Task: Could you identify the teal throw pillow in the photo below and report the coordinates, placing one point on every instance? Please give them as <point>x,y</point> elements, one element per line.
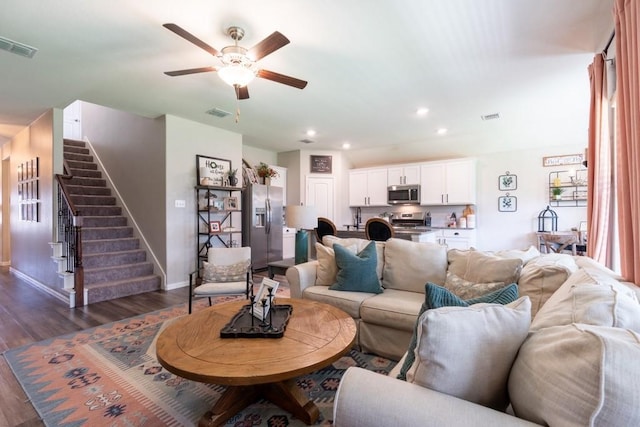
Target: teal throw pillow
<point>357,272</point>
<point>437,296</point>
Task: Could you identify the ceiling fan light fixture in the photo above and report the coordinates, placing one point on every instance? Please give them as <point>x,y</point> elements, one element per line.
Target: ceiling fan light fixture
<point>236,75</point>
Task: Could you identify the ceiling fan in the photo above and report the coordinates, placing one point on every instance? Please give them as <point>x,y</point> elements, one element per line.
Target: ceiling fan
<point>239,65</point>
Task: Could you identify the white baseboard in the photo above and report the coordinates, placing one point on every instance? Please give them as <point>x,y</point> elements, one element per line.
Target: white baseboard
<point>36,284</point>
<point>177,285</point>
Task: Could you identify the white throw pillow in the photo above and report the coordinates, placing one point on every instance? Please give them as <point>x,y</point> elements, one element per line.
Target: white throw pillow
<point>225,273</point>
<point>327,269</point>
<point>483,267</point>
<point>467,352</point>
<point>408,266</point>
<point>525,256</point>
<point>578,375</point>
<point>592,297</point>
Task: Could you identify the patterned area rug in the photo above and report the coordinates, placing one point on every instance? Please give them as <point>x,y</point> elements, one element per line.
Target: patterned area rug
<point>109,375</point>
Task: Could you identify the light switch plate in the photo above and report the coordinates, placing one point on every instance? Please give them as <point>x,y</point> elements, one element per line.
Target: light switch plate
<point>181,203</point>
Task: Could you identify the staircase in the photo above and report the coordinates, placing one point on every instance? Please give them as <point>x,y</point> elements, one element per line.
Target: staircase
<point>114,264</point>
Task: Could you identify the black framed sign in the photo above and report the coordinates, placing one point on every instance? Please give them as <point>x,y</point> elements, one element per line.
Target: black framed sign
<point>321,164</point>
<point>211,170</point>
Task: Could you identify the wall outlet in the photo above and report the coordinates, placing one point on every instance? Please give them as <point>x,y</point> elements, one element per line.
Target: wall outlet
<point>181,204</point>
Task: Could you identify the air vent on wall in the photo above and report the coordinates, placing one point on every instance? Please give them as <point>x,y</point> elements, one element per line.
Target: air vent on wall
<point>218,112</point>
<point>491,116</point>
<point>17,48</point>
<point>306,141</point>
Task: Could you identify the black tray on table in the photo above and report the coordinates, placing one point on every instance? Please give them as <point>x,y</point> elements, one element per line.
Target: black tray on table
<point>240,324</point>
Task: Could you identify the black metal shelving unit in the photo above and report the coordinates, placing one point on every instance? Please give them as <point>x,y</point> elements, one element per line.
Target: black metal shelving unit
<point>210,207</point>
<point>573,185</point>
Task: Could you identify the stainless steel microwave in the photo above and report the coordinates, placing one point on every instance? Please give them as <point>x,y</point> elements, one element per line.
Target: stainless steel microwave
<point>403,194</point>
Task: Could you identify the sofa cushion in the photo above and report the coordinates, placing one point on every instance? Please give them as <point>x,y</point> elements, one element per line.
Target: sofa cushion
<point>591,297</point>
<point>525,255</point>
<point>542,276</point>
<point>480,267</point>
<point>466,289</point>
<point>327,268</point>
<point>578,375</point>
<point>467,352</point>
<point>347,301</point>
<point>356,272</point>
<point>436,297</point>
<point>409,265</point>
<point>393,308</point>
<point>360,245</point>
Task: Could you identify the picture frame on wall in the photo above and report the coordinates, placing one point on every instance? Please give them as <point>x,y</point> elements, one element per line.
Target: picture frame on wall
<point>211,171</point>
<point>507,203</point>
<point>321,164</point>
<point>507,182</point>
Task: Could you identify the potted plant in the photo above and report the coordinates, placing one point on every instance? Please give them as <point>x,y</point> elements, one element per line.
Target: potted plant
<point>265,172</point>
<point>233,179</point>
<point>557,193</point>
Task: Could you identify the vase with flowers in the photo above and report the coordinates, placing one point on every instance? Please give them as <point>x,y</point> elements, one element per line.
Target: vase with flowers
<point>265,173</point>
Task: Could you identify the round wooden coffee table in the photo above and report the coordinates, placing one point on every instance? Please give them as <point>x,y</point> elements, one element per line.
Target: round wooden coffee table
<point>317,335</point>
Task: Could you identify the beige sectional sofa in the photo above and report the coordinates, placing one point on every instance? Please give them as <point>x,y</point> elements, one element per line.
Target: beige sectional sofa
<point>574,364</point>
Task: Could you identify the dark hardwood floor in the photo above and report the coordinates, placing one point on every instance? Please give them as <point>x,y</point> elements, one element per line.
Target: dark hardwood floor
<point>28,315</point>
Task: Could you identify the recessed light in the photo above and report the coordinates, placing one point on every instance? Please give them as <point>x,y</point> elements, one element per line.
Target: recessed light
<point>422,111</point>
<point>441,131</point>
<point>311,132</point>
<point>346,146</point>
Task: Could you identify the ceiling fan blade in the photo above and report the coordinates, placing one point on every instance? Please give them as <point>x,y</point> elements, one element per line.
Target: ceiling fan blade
<point>242,92</point>
<point>190,37</point>
<point>269,45</point>
<point>281,78</point>
<point>190,71</point>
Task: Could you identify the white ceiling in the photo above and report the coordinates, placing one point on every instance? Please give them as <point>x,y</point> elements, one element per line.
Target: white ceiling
<point>369,65</point>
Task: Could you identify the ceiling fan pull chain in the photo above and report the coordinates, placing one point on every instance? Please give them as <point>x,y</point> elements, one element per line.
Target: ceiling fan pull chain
<point>237,89</point>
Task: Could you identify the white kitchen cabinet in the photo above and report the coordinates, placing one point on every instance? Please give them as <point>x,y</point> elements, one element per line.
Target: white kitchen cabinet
<point>403,175</point>
<point>448,183</point>
<point>456,238</point>
<point>288,242</point>
<point>368,187</point>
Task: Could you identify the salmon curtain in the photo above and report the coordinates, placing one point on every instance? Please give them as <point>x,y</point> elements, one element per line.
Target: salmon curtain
<point>627,15</point>
<point>600,167</point>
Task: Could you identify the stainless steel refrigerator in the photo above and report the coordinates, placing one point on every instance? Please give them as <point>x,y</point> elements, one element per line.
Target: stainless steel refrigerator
<point>262,223</point>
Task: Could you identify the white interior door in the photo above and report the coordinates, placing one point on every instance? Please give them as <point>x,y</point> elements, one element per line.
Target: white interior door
<point>320,194</point>
<point>72,127</point>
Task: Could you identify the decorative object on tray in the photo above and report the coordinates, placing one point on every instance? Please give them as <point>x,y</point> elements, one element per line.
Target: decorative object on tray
<point>507,182</point>
<point>261,318</point>
<point>212,171</point>
<point>265,172</point>
<point>507,203</point>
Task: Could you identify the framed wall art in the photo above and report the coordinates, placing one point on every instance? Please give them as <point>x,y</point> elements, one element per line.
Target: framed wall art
<point>321,164</point>
<point>507,203</point>
<point>211,170</point>
<point>507,182</point>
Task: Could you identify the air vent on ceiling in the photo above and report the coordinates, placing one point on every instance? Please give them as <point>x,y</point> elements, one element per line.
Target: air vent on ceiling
<point>491,116</point>
<point>17,48</point>
<point>218,112</point>
<point>306,141</point>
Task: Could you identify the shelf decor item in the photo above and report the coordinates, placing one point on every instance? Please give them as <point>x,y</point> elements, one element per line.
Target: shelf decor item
<point>557,192</point>
<point>233,178</point>
<point>212,171</point>
<point>230,203</point>
<point>214,227</point>
<point>507,182</point>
